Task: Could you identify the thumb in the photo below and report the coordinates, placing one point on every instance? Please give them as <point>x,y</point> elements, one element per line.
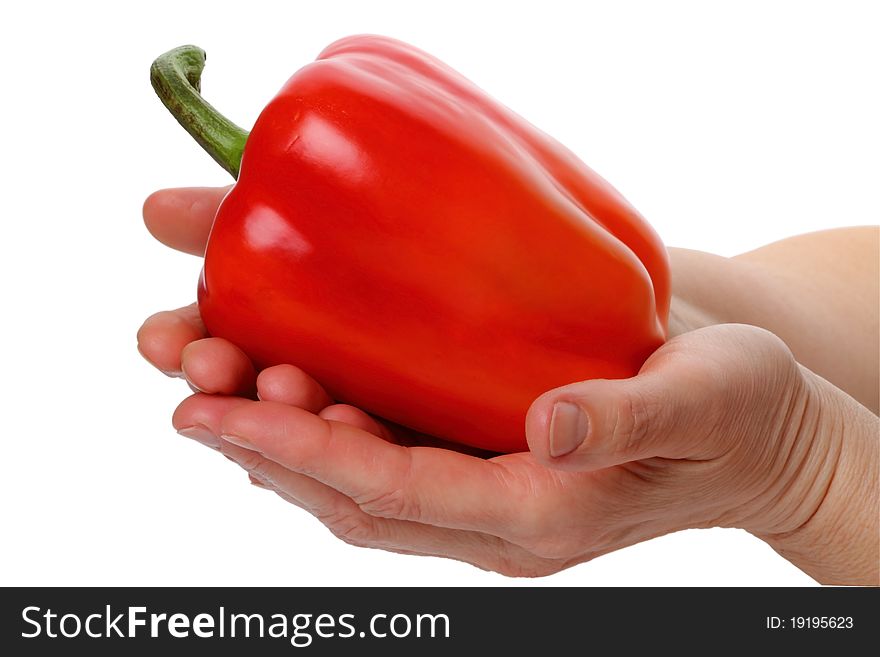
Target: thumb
<point>599,423</point>
<point>679,405</point>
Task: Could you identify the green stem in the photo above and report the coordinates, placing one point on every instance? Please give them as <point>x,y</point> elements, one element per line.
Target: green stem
<point>176,78</point>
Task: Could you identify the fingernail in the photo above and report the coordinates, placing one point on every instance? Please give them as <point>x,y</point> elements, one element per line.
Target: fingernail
<point>201,434</point>
<point>174,374</point>
<point>237,440</point>
<point>192,386</point>
<point>568,428</point>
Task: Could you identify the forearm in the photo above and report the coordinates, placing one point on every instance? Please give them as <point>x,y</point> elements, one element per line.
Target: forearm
<point>818,292</point>
<point>826,519</point>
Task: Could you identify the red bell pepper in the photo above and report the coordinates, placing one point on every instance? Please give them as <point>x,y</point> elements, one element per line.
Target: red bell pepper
<point>421,250</point>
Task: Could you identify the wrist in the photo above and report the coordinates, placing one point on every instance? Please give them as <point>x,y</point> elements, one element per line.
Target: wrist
<point>820,507</point>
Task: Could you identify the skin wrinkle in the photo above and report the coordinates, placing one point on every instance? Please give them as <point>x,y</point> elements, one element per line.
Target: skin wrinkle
<point>864,490</point>
<point>631,510</point>
<point>832,444</point>
<point>825,489</point>
<point>815,543</point>
<point>290,435</point>
<point>602,531</point>
<point>395,502</point>
<point>630,424</point>
<point>804,439</point>
<point>502,550</point>
<point>792,384</point>
<point>781,455</point>
<point>353,529</point>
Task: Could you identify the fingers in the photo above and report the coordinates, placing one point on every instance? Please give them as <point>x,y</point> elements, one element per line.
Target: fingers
<point>507,515</point>
<point>433,486</point>
<point>217,366</point>
<point>198,417</point>
<point>289,385</point>
<point>676,407</point>
<point>176,342</point>
<point>347,521</point>
<point>357,418</point>
<point>163,336</point>
<point>182,218</point>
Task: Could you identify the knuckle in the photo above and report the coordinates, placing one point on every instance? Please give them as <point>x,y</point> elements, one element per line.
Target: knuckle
<point>392,503</point>
<point>263,469</point>
<point>252,462</point>
<point>631,420</point>
<point>351,529</point>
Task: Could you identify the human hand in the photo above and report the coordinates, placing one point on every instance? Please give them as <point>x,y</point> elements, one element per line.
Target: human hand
<point>720,428</point>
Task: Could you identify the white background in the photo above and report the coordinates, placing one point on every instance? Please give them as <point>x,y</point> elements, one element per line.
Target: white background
<point>727,124</point>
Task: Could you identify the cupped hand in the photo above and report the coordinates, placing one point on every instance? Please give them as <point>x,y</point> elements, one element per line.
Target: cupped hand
<point>714,431</point>
<point>718,429</point>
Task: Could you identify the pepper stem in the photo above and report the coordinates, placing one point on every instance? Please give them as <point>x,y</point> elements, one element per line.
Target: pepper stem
<point>176,79</point>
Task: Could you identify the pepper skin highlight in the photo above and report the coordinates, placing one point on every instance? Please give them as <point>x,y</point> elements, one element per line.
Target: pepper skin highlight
<point>418,248</point>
